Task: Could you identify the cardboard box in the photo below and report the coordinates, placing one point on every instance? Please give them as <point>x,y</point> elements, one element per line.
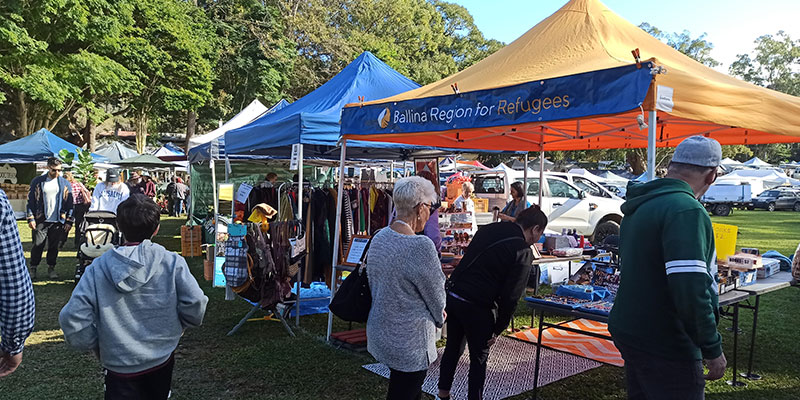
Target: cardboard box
<point>746,278</point>
<point>556,242</point>
<point>771,267</point>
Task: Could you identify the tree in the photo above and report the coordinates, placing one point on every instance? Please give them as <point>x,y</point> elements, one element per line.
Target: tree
<point>697,48</point>
<point>54,59</point>
<point>255,56</point>
<point>737,152</point>
<point>775,64</point>
<point>424,40</point>
<point>170,51</point>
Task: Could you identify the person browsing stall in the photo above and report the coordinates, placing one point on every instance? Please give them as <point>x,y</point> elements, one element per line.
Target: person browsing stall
<point>17,304</point>
<point>664,319</point>
<point>109,194</point>
<point>407,286</point>
<point>483,293</point>
<point>49,215</point>
<point>132,306</point>
<point>82,198</point>
<point>465,203</point>
<point>516,205</point>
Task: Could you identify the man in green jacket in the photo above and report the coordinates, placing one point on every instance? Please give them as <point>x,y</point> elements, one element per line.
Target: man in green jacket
<point>664,320</point>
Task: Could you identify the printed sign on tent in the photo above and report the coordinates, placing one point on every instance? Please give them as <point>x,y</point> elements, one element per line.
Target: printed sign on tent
<point>243,192</point>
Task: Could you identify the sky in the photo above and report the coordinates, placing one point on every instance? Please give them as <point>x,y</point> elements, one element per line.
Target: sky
<point>730,25</point>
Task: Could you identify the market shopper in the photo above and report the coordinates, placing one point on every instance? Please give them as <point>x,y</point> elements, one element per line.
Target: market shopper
<point>518,203</point>
<point>132,307</point>
<point>465,203</point>
<point>109,194</point>
<point>269,180</point>
<point>49,213</point>
<point>148,186</point>
<point>483,293</point>
<point>407,286</point>
<point>134,183</point>
<point>431,228</point>
<point>82,199</point>
<point>17,304</point>
<point>179,195</point>
<point>664,319</point>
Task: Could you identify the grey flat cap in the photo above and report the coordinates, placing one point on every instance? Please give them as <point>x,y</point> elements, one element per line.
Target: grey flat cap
<point>698,150</point>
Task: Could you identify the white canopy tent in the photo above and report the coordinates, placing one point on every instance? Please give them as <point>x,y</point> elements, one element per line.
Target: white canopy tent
<point>244,117</point>
<point>759,180</point>
<point>756,162</point>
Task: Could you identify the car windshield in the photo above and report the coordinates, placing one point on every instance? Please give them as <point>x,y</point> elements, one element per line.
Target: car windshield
<point>770,193</point>
<point>488,184</point>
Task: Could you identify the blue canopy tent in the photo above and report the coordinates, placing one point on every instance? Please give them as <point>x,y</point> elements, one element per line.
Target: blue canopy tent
<point>38,147</point>
<point>116,151</point>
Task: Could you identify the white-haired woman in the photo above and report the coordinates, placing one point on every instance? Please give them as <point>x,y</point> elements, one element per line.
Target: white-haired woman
<point>465,203</point>
<point>407,286</point>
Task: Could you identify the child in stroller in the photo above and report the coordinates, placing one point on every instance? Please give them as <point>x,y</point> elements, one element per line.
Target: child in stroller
<point>99,234</point>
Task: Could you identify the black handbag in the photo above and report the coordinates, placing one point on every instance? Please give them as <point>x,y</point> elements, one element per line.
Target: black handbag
<point>353,299</point>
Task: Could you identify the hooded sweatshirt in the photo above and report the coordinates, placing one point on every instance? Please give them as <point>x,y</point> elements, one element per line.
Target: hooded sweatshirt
<point>132,305</point>
<point>667,303</point>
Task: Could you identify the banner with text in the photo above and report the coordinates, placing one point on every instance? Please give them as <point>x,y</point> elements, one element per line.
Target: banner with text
<point>601,92</point>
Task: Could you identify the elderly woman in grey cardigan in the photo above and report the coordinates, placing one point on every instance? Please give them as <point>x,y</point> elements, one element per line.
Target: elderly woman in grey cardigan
<point>408,296</point>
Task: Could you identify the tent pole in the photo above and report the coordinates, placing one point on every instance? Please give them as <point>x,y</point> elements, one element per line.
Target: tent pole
<point>541,175</point>
<point>336,234</point>
<point>300,188</point>
<point>525,177</point>
<point>391,172</point>
<point>651,146</point>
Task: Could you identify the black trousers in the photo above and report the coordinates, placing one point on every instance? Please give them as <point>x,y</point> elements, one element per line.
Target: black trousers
<point>405,385</point>
<point>470,325</point>
<point>79,211</point>
<point>50,234</point>
<point>153,384</point>
<point>648,377</point>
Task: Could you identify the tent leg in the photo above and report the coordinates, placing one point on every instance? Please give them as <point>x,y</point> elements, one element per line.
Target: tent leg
<point>541,176</point>
<point>525,177</point>
<point>336,234</point>
<point>651,146</point>
<point>300,189</point>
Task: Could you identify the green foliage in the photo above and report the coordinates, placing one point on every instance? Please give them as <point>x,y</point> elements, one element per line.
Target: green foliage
<point>775,64</point>
<point>54,56</point>
<point>255,57</point>
<point>737,152</point>
<point>82,166</point>
<point>66,156</point>
<point>424,40</point>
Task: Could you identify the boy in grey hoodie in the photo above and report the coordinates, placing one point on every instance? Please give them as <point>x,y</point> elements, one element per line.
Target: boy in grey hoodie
<point>132,306</point>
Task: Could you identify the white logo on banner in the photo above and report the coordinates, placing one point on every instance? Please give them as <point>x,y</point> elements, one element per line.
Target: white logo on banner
<point>664,98</point>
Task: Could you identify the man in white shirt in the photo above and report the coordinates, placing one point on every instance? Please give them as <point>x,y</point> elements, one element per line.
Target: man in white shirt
<point>49,214</point>
<point>107,195</point>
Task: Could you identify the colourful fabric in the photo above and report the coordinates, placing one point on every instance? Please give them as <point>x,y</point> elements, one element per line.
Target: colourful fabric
<point>593,348</point>
<point>77,192</point>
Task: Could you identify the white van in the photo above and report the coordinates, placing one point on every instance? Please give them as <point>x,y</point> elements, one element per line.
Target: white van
<point>594,213</point>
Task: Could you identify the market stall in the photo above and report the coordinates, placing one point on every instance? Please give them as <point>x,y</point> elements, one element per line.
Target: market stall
<point>19,156</point>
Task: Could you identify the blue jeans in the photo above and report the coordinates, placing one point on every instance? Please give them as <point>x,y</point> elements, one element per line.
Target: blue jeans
<point>178,207</point>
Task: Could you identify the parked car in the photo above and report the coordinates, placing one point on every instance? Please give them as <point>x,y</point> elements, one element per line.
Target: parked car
<point>565,205</point>
<point>778,199</point>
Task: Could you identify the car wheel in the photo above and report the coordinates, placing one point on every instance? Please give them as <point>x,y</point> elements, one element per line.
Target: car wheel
<point>603,230</point>
<point>722,210</point>
<point>771,207</point>
<point>796,207</point>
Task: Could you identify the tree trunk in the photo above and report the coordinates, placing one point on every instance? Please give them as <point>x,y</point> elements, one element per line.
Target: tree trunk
<point>141,131</point>
<point>22,114</point>
<point>637,158</point>
<point>191,128</point>
<point>89,136</point>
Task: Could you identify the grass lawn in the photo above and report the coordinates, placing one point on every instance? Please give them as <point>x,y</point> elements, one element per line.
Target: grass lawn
<point>262,362</point>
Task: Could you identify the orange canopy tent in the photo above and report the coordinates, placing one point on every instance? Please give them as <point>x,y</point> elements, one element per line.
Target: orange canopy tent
<point>584,37</point>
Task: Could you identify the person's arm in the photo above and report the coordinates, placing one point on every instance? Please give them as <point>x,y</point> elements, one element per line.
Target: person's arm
<point>191,300</point>
<point>78,319</point>
<point>429,281</point>
<point>688,239</point>
<point>17,304</point>
<point>513,286</point>
<point>29,208</point>
<point>432,231</point>
<point>504,215</point>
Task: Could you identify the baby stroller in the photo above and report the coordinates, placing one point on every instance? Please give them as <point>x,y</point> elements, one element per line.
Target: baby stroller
<point>99,234</point>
